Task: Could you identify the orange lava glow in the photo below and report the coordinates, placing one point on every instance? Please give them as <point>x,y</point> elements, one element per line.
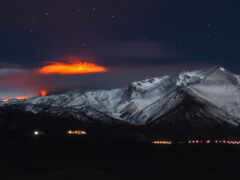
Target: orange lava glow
<point>22,97</point>
<point>72,67</point>
<point>43,93</point>
<point>16,98</point>
<point>6,99</point>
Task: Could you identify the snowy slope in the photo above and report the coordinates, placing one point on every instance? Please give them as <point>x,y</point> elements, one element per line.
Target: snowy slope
<point>149,100</point>
<point>122,104</point>
<point>221,89</point>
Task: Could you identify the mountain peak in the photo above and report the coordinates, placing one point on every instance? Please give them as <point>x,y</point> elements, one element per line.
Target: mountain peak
<point>193,77</point>
<point>222,69</point>
<point>218,67</point>
<point>215,89</point>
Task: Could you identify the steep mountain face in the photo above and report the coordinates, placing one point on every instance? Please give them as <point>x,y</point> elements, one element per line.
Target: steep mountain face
<point>205,98</point>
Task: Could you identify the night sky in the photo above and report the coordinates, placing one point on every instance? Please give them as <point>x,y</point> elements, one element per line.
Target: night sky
<point>134,39</point>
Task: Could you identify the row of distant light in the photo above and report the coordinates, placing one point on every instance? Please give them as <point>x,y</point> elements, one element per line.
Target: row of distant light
<point>199,142</point>
<point>213,142</point>
<point>76,132</point>
<point>162,142</point>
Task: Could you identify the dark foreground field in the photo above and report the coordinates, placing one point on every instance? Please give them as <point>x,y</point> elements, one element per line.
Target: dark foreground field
<point>50,159</point>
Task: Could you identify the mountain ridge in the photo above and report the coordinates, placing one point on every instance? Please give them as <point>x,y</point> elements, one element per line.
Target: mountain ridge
<point>210,96</point>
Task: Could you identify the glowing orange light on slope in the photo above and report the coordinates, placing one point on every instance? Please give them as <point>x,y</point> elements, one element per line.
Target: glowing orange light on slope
<point>74,67</point>
<point>6,99</point>
<point>17,98</point>
<point>22,97</point>
<point>43,93</point>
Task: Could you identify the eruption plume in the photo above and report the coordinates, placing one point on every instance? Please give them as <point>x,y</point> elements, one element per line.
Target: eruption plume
<point>72,67</point>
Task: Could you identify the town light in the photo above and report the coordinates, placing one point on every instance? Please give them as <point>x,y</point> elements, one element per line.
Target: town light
<point>76,132</point>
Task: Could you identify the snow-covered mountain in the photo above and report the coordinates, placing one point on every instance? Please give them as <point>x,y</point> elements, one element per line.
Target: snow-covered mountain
<point>205,97</point>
